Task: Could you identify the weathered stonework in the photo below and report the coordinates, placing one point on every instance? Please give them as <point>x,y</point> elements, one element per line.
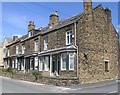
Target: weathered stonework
<point>94,45</point>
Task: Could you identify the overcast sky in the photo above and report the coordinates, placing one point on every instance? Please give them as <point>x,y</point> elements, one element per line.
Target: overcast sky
<point>15,16</point>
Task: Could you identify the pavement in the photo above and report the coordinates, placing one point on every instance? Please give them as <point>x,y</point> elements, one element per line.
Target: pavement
<point>19,86</point>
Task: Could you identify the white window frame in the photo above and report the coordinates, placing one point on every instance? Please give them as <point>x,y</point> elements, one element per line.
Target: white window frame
<point>62,62</point>
<point>8,52</point>
<point>13,64</point>
<point>46,43</point>
<point>36,63</point>
<point>36,45</point>
<point>23,48</point>
<point>5,52</point>
<point>46,63</point>
<point>31,64</point>
<point>73,55</point>
<point>40,64</point>
<point>22,65</point>
<point>16,63</point>
<point>68,40</point>
<point>17,49</point>
<point>30,33</point>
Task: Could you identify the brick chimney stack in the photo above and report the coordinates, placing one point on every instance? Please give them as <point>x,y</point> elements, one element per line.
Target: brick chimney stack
<point>87,6</point>
<point>54,19</point>
<point>31,26</point>
<point>15,38</point>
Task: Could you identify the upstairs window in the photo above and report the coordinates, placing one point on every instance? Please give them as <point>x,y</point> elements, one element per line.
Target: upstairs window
<point>17,49</point>
<point>30,33</point>
<point>46,43</point>
<point>23,48</point>
<point>8,52</point>
<point>68,37</point>
<point>36,45</point>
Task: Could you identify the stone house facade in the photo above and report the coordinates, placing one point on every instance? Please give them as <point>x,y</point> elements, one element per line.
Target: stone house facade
<point>2,51</point>
<point>82,47</point>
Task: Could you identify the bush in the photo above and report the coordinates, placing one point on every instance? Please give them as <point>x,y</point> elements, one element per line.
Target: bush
<point>4,70</point>
<point>11,71</point>
<point>36,74</point>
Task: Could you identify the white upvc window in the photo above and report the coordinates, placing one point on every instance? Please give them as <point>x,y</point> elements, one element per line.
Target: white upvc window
<point>23,48</point>
<point>46,63</point>
<point>5,52</point>
<point>46,43</point>
<point>30,33</point>
<point>8,52</point>
<point>31,64</point>
<point>16,63</point>
<point>36,63</point>
<point>71,61</point>
<point>36,45</point>
<point>17,49</point>
<point>63,61</point>
<point>13,66</point>
<point>40,64</point>
<point>68,37</point>
<point>22,66</point>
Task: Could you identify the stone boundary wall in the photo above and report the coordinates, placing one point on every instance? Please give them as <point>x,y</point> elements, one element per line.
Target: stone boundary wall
<point>45,80</point>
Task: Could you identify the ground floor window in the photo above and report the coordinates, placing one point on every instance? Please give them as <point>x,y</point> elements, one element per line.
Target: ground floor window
<point>71,61</point>
<point>16,63</point>
<point>31,64</point>
<point>63,61</point>
<point>36,63</point>
<point>46,63</point>
<point>13,63</point>
<point>40,64</point>
<point>22,65</point>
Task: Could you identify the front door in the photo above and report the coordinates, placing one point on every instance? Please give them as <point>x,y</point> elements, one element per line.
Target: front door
<point>53,64</point>
<point>58,65</point>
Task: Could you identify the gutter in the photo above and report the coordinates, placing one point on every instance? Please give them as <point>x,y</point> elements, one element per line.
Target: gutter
<point>77,49</point>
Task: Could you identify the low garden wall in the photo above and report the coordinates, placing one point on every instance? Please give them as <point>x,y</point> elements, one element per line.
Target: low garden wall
<point>40,79</point>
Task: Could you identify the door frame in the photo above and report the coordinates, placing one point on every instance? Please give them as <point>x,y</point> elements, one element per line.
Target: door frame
<point>58,60</point>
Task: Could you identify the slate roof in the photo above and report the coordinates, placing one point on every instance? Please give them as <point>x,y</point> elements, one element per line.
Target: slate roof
<point>45,30</point>
<point>63,23</point>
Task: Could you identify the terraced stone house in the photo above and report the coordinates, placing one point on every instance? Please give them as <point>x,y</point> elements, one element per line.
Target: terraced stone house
<point>83,47</point>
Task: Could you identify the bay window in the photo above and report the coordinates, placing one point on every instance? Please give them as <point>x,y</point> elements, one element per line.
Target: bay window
<point>8,52</point>
<point>46,63</point>
<point>63,61</point>
<point>36,63</point>
<point>17,49</point>
<point>71,61</point>
<point>40,64</point>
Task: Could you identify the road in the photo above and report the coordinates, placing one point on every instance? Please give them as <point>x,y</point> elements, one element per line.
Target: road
<point>19,86</point>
